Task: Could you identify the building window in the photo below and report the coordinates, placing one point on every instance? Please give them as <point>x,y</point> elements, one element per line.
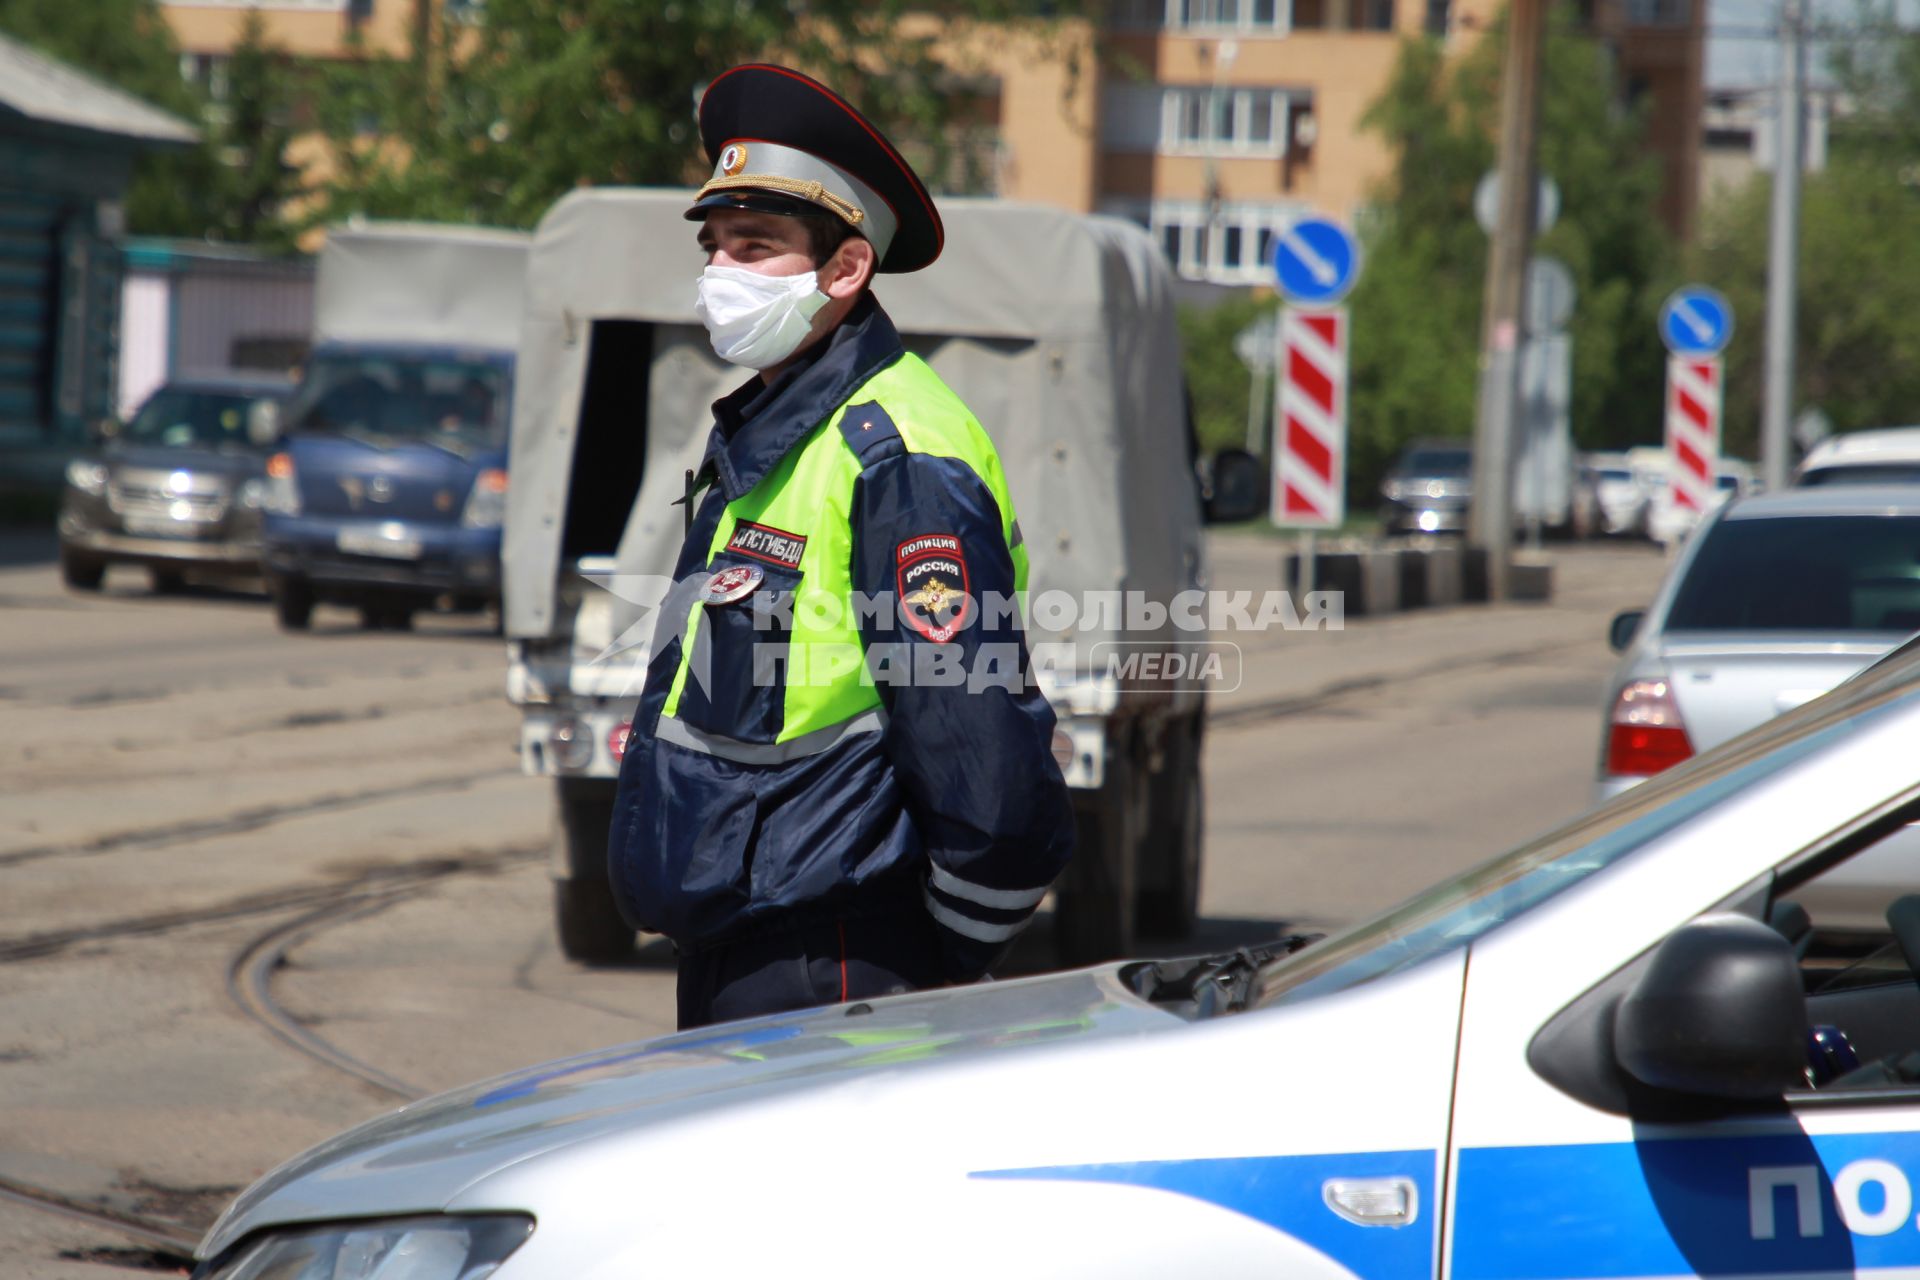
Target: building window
<point>1228,244</point>
<point>1659,13</point>
<point>1226,121</point>
<point>1251,16</point>
<point>1267,17</point>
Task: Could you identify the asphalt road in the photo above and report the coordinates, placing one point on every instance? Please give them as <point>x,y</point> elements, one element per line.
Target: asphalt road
<point>185,786</point>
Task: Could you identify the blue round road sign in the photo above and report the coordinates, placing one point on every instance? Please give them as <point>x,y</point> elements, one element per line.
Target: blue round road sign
<point>1315,261</point>
<point>1696,321</point>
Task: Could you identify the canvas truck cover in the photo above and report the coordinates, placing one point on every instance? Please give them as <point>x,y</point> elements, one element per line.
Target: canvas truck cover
<point>1057,330</point>
<point>421,284</point>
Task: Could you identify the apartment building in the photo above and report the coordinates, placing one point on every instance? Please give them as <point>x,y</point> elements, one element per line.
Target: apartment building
<point>1217,122</point>
<point>1214,123</point>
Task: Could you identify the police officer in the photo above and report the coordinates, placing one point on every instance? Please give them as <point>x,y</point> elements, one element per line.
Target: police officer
<point>839,783</point>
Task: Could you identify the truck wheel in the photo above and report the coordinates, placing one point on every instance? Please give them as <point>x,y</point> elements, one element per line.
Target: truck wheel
<point>1093,914</point>
<point>82,573</point>
<point>292,603</point>
<point>589,924</point>
<point>1169,901</point>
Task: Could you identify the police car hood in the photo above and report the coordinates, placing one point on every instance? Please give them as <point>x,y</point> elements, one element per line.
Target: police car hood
<point>422,1157</point>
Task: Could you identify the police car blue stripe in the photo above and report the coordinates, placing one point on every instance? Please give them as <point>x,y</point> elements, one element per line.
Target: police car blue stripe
<point>1758,1205</point>
<point>1287,1193</point>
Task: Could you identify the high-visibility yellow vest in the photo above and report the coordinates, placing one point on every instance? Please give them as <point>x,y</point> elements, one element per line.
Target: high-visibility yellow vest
<point>794,526</point>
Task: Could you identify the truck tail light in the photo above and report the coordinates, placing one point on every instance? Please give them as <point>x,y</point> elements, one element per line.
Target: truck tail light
<point>1645,735</point>
<point>570,745</point>
<point>617,740</point>
<point>280,495</point>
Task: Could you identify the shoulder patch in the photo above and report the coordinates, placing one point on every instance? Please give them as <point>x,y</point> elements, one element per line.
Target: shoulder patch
<point>871,434</point>
<point>764,542</point>
<point>930,570</point>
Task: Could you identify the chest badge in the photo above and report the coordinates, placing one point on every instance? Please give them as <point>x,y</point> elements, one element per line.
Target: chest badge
<point>735,582</point>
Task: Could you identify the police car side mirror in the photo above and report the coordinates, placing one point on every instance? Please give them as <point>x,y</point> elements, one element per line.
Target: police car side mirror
<point>1720,1011</point>
<point>1237,488</point>
<point>1620,630</point>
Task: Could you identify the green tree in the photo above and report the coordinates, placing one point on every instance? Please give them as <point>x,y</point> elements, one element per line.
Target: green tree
<point>495,120</point>
<point>1415,345</point>
<point>231,184</point>
<point>1857,350</point>
<point>251,135</point>
<point>1417,310</point>
<point>128,44</point>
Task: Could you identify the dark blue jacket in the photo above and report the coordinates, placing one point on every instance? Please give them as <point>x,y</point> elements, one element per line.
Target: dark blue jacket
<point>956,808</point>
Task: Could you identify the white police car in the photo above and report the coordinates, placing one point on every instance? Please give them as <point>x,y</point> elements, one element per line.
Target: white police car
<point>1590,1058</point>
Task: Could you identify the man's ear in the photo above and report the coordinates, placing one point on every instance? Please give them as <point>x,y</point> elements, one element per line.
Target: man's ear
<point>850,268</point>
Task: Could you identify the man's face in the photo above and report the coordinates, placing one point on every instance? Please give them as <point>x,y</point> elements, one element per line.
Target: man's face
<point>762,242</point>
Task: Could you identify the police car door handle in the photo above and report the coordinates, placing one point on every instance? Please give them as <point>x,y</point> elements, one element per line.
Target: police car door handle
<point>1373,1202</point>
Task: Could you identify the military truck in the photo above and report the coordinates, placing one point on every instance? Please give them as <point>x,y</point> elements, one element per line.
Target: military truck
<point>1058,330</point>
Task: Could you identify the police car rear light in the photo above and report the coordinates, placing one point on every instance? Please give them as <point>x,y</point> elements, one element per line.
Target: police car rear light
<point>617,740</point>
<point>1646,735</point>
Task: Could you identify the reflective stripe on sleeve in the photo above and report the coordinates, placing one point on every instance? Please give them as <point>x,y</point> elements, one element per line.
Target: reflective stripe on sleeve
<point>968,928</point>
<point>681,734</point>
<point>1004,899</point>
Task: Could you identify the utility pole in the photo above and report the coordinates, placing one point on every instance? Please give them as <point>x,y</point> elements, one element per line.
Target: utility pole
<point>1783,245</point>
<point>1491,525</point>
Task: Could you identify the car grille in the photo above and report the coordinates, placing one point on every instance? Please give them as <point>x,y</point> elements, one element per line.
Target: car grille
<point>149,498</point>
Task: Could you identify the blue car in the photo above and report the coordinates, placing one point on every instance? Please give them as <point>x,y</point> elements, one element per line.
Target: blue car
<point>389,489</point>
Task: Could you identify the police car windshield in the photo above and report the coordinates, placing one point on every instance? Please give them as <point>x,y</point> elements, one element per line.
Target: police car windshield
<point>1456,912</point>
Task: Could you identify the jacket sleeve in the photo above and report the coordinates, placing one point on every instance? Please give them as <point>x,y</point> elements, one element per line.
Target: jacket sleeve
<point>970,740</point>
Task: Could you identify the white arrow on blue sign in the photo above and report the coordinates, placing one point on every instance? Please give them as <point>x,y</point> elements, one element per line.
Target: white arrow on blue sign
<point>1316,261</point>
<point>1696,321</point>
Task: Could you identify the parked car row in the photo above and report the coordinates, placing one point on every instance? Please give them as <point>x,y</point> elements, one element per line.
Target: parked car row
<point>1428,488</point>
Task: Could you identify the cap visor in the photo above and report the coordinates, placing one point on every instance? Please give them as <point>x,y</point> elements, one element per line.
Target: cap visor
<point>757,201</point>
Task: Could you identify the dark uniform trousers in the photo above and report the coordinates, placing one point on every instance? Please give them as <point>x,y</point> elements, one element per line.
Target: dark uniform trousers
<point>808,965</point>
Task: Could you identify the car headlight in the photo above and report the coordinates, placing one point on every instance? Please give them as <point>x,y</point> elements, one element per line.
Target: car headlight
<point>1394,490</point>
<point>89,478</point>
<point>487,504</point>
<point>281,494</point>
<point>252,495</point>
<point>436,1247</point>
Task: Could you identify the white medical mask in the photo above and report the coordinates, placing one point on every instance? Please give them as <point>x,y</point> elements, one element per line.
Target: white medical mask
<point>757,320</point>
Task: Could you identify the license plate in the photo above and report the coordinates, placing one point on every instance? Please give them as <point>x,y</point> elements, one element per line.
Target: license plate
<point>391,542</point>
<point>158,527</point>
